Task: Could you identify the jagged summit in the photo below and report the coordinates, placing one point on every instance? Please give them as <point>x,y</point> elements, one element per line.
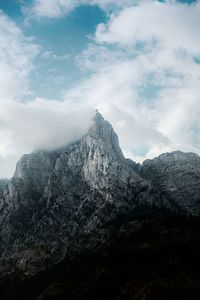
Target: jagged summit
<point>99,146</point>
<point>100,135</point>
<point>103,130</point>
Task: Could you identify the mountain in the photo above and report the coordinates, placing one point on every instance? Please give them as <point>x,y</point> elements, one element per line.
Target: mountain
<point>87,197</point>
<point>57,198</point>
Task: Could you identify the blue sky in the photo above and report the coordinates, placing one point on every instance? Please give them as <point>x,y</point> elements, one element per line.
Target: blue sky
<point>137,61</point>
<point>64,37</point>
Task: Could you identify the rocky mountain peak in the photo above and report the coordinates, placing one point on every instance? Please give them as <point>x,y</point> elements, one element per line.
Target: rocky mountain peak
<point>100,127</point>
<point>102,132</point>
<point>100,141</point>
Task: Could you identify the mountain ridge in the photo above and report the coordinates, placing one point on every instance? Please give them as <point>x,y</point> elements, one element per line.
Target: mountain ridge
<point>61,202</point>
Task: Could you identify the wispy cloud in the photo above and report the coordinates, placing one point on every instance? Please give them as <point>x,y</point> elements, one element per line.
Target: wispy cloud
<point>170,25</point>
<point>60,8</point>
<point>17,54</point>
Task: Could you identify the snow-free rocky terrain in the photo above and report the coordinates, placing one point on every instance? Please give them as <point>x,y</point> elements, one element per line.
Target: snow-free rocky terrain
<point>77,219</point>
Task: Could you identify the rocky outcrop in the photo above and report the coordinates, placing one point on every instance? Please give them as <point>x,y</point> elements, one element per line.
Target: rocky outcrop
<point>3,183</point>
<point>177,176</point>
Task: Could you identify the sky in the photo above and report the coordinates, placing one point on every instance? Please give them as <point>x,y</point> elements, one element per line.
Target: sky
<point>136,61</point>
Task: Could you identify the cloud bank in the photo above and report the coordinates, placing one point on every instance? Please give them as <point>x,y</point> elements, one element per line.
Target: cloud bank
<point>38,125</point>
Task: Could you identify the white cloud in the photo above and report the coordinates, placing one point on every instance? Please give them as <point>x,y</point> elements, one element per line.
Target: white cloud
<point>114,92</point>
<point>152,44</point>
<point>38,125</point>
<point>147,127</point>
<point>171,25</point>
<point>52,8</point>
<point>16,59</point>
<point>60,8</point>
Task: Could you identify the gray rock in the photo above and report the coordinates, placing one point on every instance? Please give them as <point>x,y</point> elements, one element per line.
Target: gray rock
<point>177,175</point>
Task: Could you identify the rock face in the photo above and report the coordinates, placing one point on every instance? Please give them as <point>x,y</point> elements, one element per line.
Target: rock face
<point>3,183</point>
<point>176,175</point>
<point>61,202</point>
